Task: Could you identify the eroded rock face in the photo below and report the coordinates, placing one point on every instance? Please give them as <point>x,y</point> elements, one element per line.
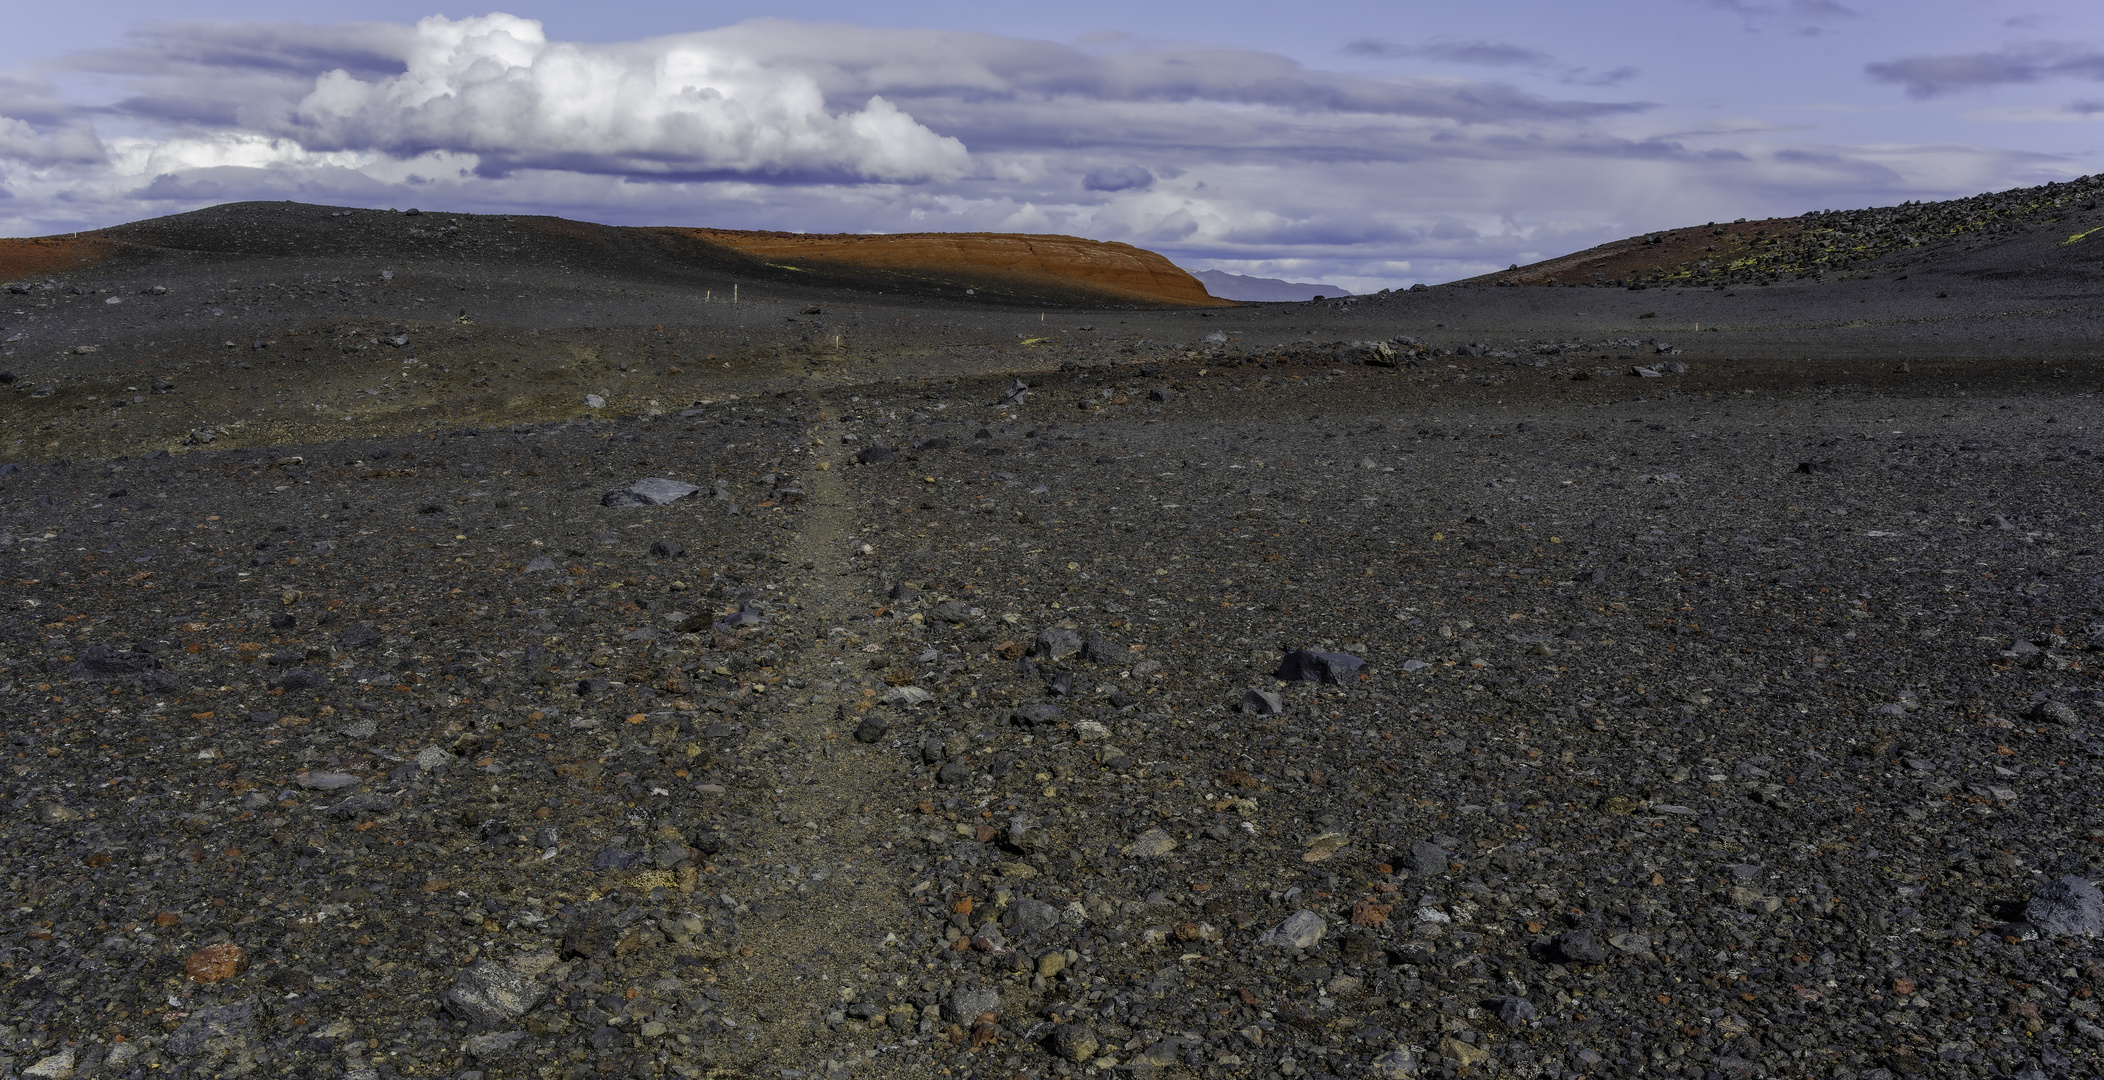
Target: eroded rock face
<point>1111,270</point>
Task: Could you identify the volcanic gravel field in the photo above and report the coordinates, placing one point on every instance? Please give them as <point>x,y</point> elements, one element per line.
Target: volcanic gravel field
<point>1474,682</point>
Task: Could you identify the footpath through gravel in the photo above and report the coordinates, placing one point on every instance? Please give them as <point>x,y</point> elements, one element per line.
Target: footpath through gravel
<point>942,731</point>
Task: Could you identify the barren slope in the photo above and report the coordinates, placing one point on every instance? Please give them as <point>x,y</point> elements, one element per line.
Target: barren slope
<point>2042,232</point>
<point>987,262</point>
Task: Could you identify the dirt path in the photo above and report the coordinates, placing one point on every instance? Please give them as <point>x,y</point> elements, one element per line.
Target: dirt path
<point>823,827</point>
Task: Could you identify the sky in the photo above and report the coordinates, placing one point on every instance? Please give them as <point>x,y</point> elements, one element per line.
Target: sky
<point>1369,145</point>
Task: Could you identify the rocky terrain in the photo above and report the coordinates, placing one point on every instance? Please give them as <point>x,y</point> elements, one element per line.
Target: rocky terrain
<point>534,666</point>
<point>1958,234</point>
<point>1018,267</point>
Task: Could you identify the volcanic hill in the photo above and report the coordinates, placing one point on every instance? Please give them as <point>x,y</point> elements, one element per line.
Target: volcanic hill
<point>1021,269</point>
<point>2040,232</point>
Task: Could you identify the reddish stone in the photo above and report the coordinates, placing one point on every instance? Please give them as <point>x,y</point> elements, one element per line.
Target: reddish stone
<point>216,963</point>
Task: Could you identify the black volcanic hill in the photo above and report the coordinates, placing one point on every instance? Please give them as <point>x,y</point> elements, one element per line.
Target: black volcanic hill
<point>1027,270</point>
<point>2041,232</point>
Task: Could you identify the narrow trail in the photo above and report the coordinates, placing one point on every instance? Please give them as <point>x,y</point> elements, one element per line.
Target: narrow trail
<point>822,820</point>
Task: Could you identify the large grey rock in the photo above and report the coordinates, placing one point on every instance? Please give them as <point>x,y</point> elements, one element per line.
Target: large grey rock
<point>496,1044</point>
<point>490,994</point>
<point>1102,650</point>
<point>1152,844</point>
<point>215,1030</point>
<point>1030,716</point>
<point>1161,1055</point>
<point>2055,712</point>
<point>2066,906</point>
<point>359,637</point>
<point>1307,665</point>
<point>965,1003</point>
<point>1262,703</point>
<point>654,491</point>
<point>1427,859</point>
<point>324,780</point>
<point>1055,643</point>
<point>1302,930</point>
<point>1513,1012</point>
<point>1075,1042</point>
<point>101,661</point>
<point>1027,915</point>
<point>58,1066</point>
<point>1578,947</point>
<point>1397,1064</point>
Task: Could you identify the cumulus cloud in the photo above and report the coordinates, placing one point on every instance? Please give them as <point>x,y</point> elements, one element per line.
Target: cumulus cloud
<point>1933,76</point>
<point>496,87</point>
<point>73,144</point>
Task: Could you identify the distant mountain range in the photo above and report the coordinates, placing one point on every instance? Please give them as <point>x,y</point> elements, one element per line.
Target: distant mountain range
<point>1228,286</point>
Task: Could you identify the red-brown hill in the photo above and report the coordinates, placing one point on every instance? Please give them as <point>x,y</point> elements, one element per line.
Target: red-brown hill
<point>1015,262</point>
<point>1062,271</point>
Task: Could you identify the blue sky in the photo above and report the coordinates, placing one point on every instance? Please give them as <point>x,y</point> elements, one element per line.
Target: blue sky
<point>1368,145</point>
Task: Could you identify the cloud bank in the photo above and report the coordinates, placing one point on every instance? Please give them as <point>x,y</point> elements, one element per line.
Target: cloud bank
<point>1933,76</point>
<point>1232,158</point>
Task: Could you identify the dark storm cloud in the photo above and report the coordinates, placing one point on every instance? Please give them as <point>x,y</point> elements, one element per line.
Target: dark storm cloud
<point>1122,178</point>
<point>293,49</point>
<point>1931,76</point>
<point>1481,53</point>
<point>1496,54</point>
<point>1800,15</point>
<point>34,101</point>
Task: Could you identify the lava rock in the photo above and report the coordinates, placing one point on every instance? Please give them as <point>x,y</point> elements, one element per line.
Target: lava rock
<point>1262,703</point>
<point>965,1003</point>
<point>1305,665</point>
<point>1034,716</point>
<point>1427,859</point>
<point>490,994</point>
<point>295,679</point>
<point>1577,947</point>
<point>1056,644</point>
<point>357,637</point>
<point>655,491</point>
<point>1075,1042</point>
<point>1513,1012</point>
<point>2066,906</point>
<point>2054,712</point>
<point>1301,930</point>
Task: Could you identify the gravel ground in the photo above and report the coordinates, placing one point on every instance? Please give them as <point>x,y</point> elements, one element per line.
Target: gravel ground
<point>1127,703</point>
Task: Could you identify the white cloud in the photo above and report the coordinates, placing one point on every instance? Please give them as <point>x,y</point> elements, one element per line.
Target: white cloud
<point>496,87</point>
